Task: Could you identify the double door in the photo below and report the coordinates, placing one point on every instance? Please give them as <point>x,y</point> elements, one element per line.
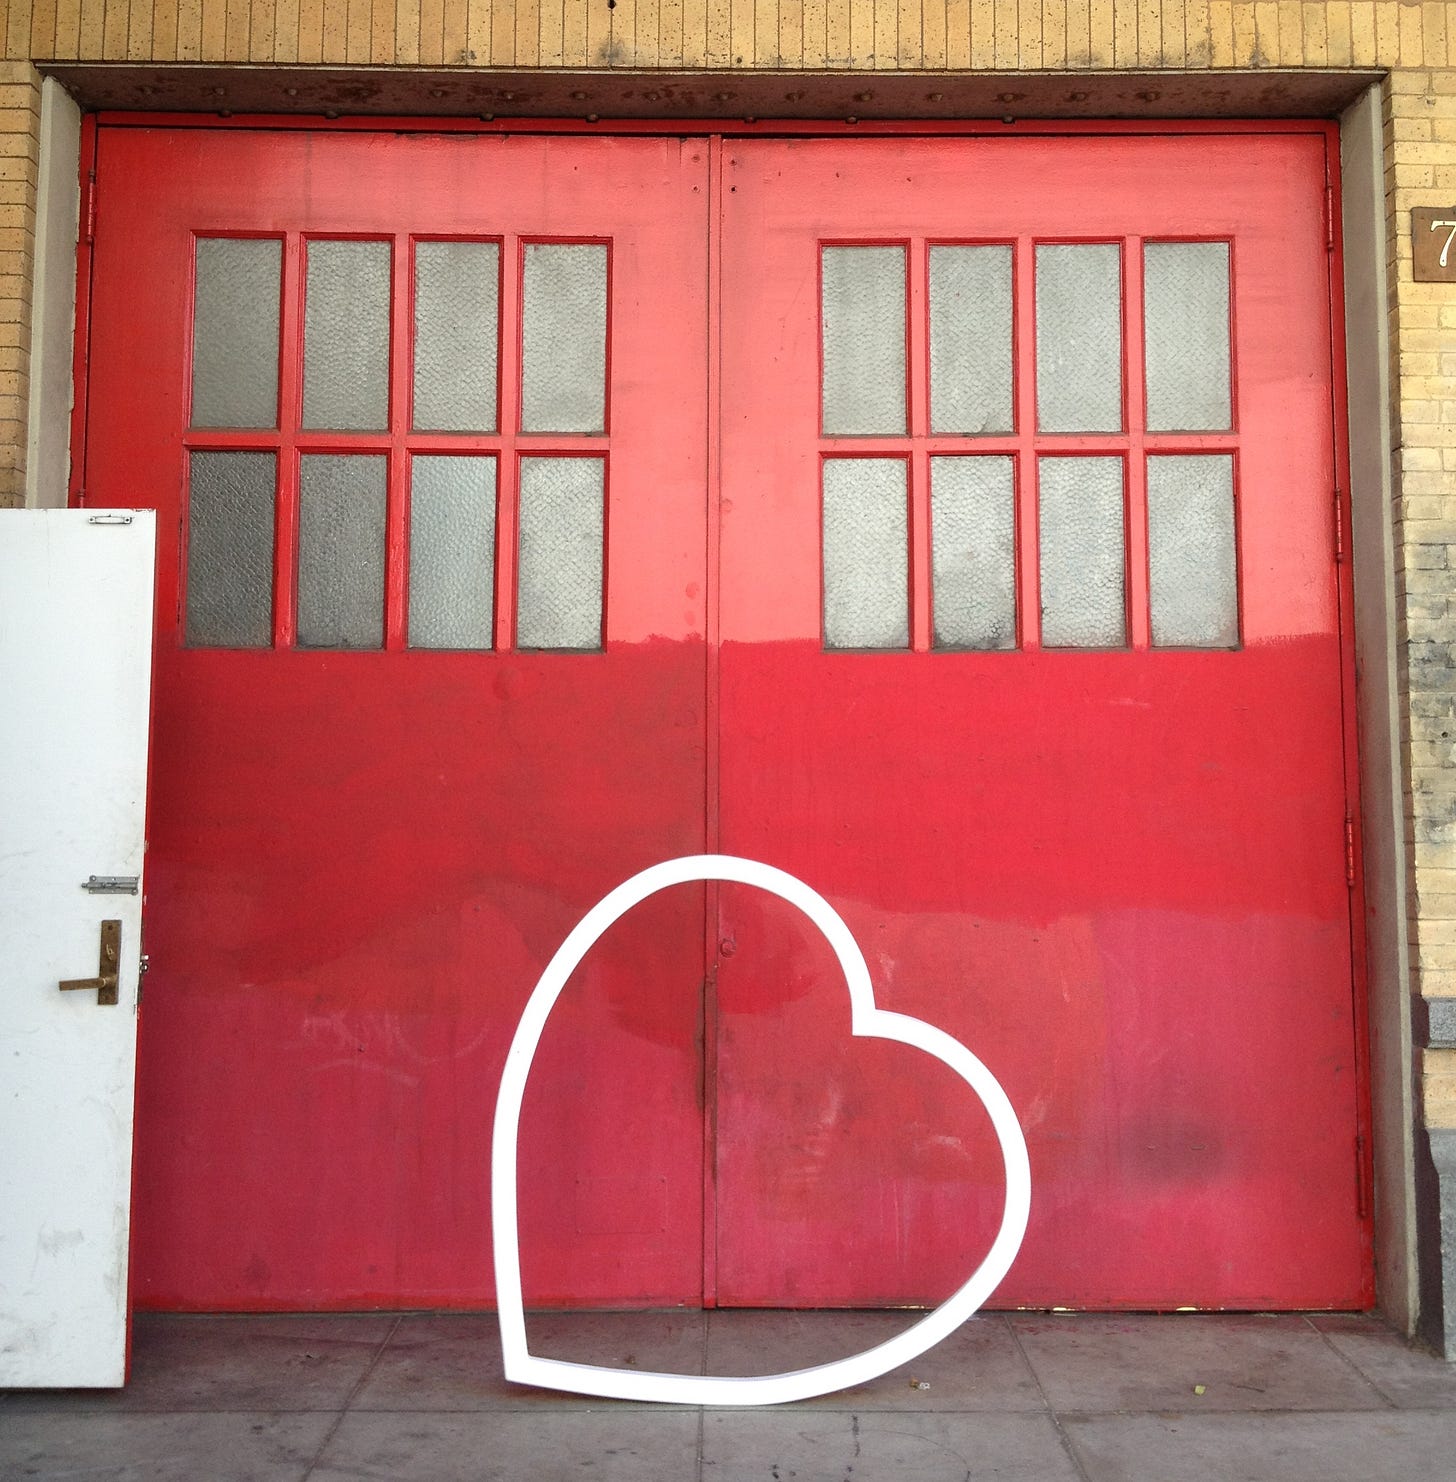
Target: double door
<point>946,521</point>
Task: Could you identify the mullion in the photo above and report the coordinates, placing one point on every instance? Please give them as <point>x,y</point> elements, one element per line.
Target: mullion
<point>290,408</point>
<point>507,475</point>
<point>1137,568</point>
<point>401,411</point>
<point>1025,444</point>
<point>917,363</point>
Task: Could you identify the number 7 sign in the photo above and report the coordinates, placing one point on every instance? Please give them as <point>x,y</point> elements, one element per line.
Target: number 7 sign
<point>1433,232</point>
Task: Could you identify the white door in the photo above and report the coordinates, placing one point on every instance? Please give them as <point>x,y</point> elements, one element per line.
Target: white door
<point>75,685</point>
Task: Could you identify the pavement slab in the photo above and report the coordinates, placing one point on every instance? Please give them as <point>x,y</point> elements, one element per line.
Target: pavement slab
<point>1190,1362</point>
<point>1370,1447</point>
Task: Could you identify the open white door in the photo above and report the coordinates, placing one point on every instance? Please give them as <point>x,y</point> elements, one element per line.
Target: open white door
<point>75,685</point>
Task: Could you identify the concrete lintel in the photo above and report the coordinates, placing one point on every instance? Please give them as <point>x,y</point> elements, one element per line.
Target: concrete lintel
<point>728,94</point>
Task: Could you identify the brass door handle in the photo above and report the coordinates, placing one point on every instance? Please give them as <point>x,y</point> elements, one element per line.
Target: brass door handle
<point>105,981</point>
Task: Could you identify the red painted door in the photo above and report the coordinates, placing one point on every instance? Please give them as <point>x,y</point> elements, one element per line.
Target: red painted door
<point>1031,661</point>
<point>385,787</point>
<point>963,547</point>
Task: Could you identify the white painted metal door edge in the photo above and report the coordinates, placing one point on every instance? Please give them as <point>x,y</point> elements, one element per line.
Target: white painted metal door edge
<point>866,1020</point>
<point>76,594</point>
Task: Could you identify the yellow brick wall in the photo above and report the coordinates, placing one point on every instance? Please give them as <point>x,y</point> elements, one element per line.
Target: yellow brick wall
<point>1420,154</point>
<point>19,153</point>
<point>814,34</point>
<point>1414,39</point>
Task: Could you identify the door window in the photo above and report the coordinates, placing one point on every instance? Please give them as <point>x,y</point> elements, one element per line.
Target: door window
<point>390,440</point>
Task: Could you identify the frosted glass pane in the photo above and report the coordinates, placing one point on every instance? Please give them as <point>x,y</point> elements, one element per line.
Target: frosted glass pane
<point>559,583</point>
<point>866,551</point>
<point>235,333</point>
<point>1186,334</point>
<point>341,550</point>
<point>564,338</point>
<point>1082,565</point>
<point>973,552</point>
<point>864,340</point>
<point>452,553</point>
<point>457,297</point>
<point>230,549</point>
<point>970,339</point>
<point>346,336</point>
<point>1079,338</point>
<point>1195,601</point>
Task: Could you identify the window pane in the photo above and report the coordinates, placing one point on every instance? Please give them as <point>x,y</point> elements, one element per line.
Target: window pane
<point>457,294</point>
<point>1079,338</point>
<point>346,336</point>
<point>1195,599</point>
<point>452,553</point>
<point>866,551</point>
<point>341,550</point>
<point>235,333</point>
<point>230,549</point>
<point>864,340</point>
<point>970,339</point>
<point>1186,334</point>
<point>1082,601</point>
<point>559,584</point>
<point>973,552</point>
<point>564,338</point>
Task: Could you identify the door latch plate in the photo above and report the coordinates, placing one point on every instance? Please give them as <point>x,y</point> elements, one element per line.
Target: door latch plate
<point>107,973</point>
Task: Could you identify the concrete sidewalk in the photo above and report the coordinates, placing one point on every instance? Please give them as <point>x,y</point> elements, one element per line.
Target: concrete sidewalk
<point>1022,1397</point>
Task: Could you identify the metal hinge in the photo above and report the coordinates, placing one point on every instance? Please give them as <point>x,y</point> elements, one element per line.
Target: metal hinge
<point>1349,851</point>
<point>1339,526</point>
<point>1362,1192</point>
<point>1329,211</point>
<point>88,207</point>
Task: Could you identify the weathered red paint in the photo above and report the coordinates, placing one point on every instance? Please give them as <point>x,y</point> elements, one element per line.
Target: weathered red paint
<point>1118,877</point>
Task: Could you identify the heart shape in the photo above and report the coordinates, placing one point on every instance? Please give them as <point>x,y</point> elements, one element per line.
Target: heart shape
<point>867,1021</point>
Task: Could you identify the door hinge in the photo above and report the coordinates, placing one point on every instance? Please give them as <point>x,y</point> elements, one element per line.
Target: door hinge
<point>1349,851</point>
<point>1362,1190</point>
<point>1339,526</point>
<point>1329,211</point>
<point>88,208</point>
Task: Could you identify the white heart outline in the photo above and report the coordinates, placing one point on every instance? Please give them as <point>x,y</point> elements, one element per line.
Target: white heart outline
<point>867,1021</point>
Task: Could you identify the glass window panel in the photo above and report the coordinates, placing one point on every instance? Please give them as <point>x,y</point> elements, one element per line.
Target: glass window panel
<point>457,301</point>
<point>559,583</point>
<point>564,338</point>
<point>230,549</point>
<point>452,552</point>
<point>1082,564</point>
<point>970,339</point>
<point>346,336</point>
<point>235,332</point>
<point>1194,596</point>
<point>866,551</point>
<point>1186,335</point>
<point>341,550</point>
<point>973,552</point>
<point>864,340</point>
<point>1079,338</point>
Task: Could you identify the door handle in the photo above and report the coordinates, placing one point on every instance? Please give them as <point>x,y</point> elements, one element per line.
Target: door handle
<point>105,981</point>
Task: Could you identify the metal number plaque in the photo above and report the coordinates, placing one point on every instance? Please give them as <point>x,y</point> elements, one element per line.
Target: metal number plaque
<point>1433,244</point>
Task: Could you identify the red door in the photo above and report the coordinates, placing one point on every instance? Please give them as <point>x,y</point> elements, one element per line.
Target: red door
<point>430,682</point>
<point>1007,626</point>
<point>1031,662</point>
